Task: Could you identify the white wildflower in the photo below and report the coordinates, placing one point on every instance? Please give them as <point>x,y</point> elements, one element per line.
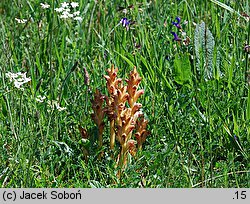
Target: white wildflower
<point>21,20</point>
<point>125,11</point>
<point>59,10</point>
<point>44,5</point>
<point>74,4</point>
<point>78,18</point>
<point>66,10</point>
<point>40,98</point>
<point>66,13</point>
<point>54,104</point>
<point>18,78</point>
<point>64,4</point>
<point>11,76</point>
<point>61,108</point>
<point>76,13</point>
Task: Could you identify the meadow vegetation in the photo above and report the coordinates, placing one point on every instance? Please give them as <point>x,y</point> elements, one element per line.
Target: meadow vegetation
<point>193,60</point>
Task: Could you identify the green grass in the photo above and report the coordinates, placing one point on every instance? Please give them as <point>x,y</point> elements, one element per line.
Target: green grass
<point>192,120</point>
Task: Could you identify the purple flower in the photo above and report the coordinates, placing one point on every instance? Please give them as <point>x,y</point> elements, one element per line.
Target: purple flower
<point>125,22</point>
<point>177,24</point>
<point>176,38</point>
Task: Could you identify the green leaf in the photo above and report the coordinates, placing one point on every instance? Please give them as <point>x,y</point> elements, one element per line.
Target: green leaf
<point>126,59</point>
<point>204,51</point>
<point>182,69</point>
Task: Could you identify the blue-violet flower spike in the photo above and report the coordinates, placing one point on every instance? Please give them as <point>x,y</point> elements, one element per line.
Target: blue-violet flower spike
<point>125,22</point>
<point>178,19</point>
<point>177,24</point>
<point>176,38</point>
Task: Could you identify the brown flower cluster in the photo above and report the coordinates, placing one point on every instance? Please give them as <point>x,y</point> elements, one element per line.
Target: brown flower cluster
<point>99,113</point>
<point>123,112</point>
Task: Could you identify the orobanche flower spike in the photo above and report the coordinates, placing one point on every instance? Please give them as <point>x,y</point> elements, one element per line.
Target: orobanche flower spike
<point>98,115</point>
<point>112,101</point>
<point>123,111</point>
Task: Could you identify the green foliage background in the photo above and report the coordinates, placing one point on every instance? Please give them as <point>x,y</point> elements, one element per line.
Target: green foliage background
<point>199,126</point>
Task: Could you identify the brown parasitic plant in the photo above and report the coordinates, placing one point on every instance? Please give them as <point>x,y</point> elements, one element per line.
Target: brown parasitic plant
<point>123,111</point>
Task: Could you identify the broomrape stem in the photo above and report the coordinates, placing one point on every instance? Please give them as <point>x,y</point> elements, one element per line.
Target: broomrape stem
<point>122,160</point>
<point>112,134</point>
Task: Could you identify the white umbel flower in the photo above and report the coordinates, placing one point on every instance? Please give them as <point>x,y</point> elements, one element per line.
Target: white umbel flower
<point>78,18</point>
<point>18,78</point>
<point>67,11</point>
<point>44,5</point>
<point>64,4</point>
<point>74,4</point>
<point>76,13</point>
<point>59,10</point>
